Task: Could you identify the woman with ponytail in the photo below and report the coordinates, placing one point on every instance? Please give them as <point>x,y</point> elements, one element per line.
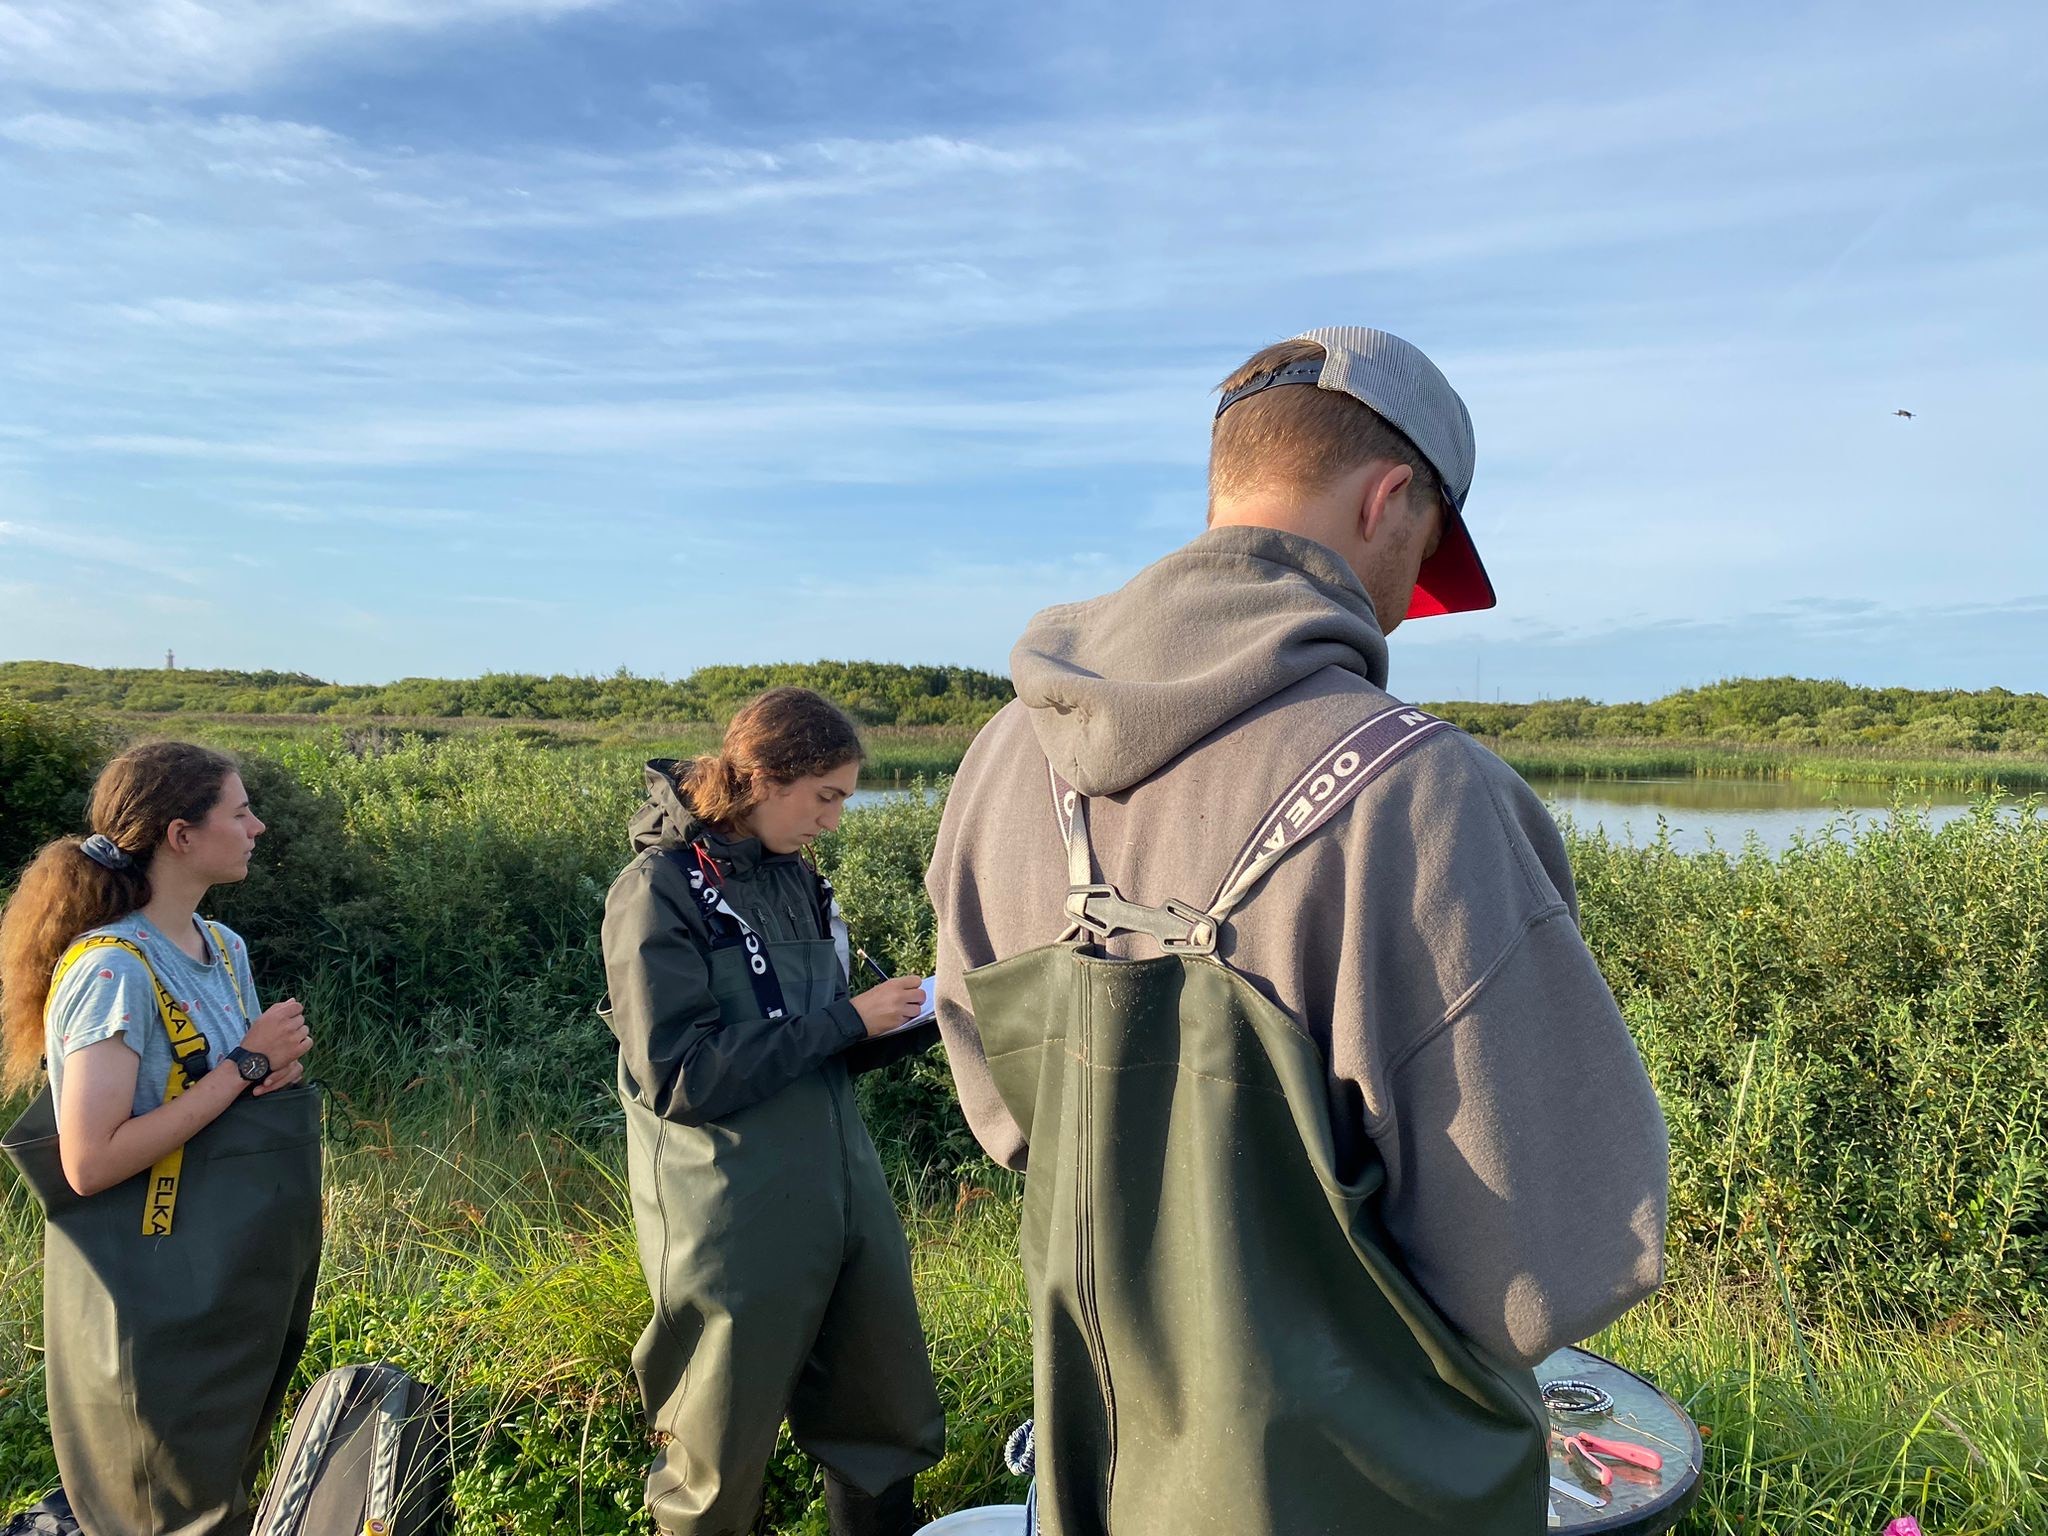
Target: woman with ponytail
<point>178,1264</point>
<point>778,1267</point>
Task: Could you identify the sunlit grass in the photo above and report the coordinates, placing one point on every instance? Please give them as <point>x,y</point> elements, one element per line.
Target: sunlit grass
<point>505,1270</point>
<point>1846,1038</point>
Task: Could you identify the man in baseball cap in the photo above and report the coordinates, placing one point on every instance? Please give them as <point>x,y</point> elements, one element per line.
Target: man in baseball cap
<point>1273,985</point>
<point>1413,418</point>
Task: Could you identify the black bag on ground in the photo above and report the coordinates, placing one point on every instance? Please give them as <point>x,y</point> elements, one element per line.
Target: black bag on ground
<point>52,1517</point>
<point>368,1452</point>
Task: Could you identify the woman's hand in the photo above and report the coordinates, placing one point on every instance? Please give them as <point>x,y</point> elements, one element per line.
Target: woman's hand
<point>283,1077</point>
<point>100,1137</point>
<point>890,1005</point>
<point>281,1035</point>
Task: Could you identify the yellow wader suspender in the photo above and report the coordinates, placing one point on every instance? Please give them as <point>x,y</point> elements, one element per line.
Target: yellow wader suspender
<point>188,1046</point>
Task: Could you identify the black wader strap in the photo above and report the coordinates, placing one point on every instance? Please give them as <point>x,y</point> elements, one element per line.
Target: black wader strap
<point>1346,767</point>
<point>831,921</point>
<point>729,930</point>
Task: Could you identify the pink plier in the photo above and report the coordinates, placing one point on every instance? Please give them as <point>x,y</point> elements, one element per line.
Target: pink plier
<point>1586,1452</point>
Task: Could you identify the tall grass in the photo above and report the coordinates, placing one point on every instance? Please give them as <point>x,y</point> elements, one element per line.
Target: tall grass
<point>900,754</point>
<point>503,1267</point>
<point>1847,1041</point>
<point>896,754</point>
<point>1820,765</point>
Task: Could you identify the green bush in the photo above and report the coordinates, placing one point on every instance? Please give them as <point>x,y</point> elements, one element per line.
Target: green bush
<point>876,863</point>
<point>48,755</point>
<point>874,692</point>
<point>309,882</point>
<point>1847,1040</point>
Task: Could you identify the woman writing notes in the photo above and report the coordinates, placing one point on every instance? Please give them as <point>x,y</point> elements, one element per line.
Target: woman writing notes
<point>174,1152</point>
<point>779,1271</point>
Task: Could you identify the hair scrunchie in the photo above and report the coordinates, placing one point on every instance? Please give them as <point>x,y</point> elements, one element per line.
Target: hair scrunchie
<point>105,852</point>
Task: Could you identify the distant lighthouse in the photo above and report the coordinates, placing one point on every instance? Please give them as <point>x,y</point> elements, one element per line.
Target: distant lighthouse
<point>170,661</point>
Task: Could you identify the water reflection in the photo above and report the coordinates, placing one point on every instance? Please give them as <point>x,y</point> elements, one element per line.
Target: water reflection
<point>1723,813</point>
<point>1702,813</point>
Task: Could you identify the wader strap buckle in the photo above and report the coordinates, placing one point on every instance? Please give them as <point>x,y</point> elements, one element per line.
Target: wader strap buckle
<point>1200,938</point>
<point>1353,761</point>
<point>1180,928</point>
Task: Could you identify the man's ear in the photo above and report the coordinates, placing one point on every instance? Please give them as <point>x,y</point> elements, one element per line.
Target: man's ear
<point>1382,494</point>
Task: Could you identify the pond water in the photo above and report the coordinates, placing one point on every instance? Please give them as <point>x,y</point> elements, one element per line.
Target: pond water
<point>1721,813</point>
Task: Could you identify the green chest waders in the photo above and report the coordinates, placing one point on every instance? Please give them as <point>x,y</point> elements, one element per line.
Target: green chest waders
<point>167,1357</point>
<point>781,1284</point>
<point>1222,1340</point>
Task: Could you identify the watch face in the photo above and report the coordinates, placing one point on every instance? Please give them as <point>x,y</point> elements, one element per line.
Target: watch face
<point>254,1065</point>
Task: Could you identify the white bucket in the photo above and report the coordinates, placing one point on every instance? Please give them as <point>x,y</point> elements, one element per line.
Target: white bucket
<point>989,1520</point>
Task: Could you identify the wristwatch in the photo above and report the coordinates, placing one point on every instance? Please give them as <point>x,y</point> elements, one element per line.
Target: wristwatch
<point>253,1065</point>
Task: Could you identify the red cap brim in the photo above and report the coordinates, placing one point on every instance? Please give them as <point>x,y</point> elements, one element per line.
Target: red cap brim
<point>1452,580</point>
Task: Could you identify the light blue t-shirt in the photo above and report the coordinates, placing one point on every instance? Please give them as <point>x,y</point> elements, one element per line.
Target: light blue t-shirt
<point>108,993</point>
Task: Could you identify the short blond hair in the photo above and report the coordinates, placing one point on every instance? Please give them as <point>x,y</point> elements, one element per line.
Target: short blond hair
<point>1301,438</point>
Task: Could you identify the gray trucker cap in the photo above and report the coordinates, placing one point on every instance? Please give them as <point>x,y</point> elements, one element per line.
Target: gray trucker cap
<point>1410,392</point>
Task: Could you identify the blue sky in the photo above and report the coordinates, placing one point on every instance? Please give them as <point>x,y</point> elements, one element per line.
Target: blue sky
<point>387,337</point>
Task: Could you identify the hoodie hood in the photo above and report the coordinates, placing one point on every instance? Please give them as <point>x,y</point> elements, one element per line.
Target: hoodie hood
<point>666,820</point>
<point>1121,685</point>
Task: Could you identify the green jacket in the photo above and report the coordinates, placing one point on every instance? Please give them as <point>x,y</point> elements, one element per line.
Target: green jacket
<point>776,1265</point>
<point>683,1061</point>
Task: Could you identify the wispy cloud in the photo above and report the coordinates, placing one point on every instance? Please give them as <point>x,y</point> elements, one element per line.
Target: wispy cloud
<point>373,516</point>
<point>202,47</point>
<point>683,280</point>
<point>86,553</point>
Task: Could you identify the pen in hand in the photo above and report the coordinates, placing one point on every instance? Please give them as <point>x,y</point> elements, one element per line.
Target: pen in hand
<point>891,1003</point>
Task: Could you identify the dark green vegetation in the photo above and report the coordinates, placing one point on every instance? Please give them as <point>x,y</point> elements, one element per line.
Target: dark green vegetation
<point>1847,1040</point>
<point>896,753</point>
<point>1786,712</point>
<point>875,693</point>
<point>920,719</point>
<point>1612,760</point>
<point>1767,711</point>
<point>47,759</point>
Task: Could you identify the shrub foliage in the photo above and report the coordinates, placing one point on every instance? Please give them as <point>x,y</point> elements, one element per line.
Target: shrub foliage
<point>47,759</point>
<point>1847,1040</point>
<point>875,693</point>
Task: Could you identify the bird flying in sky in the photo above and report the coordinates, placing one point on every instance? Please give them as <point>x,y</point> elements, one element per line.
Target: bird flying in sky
<point>1907,414</point>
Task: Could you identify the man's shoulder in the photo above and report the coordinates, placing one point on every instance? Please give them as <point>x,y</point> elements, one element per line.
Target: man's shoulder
<point>1456,762</point>
<point>1293,728</point>
<point>1456,807</point>
<point>1442,778</point>
<point>1007,731</point>
<point>1003,761</point>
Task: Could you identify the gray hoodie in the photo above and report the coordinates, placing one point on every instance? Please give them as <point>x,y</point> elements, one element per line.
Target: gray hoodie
<point>1426,938</point>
